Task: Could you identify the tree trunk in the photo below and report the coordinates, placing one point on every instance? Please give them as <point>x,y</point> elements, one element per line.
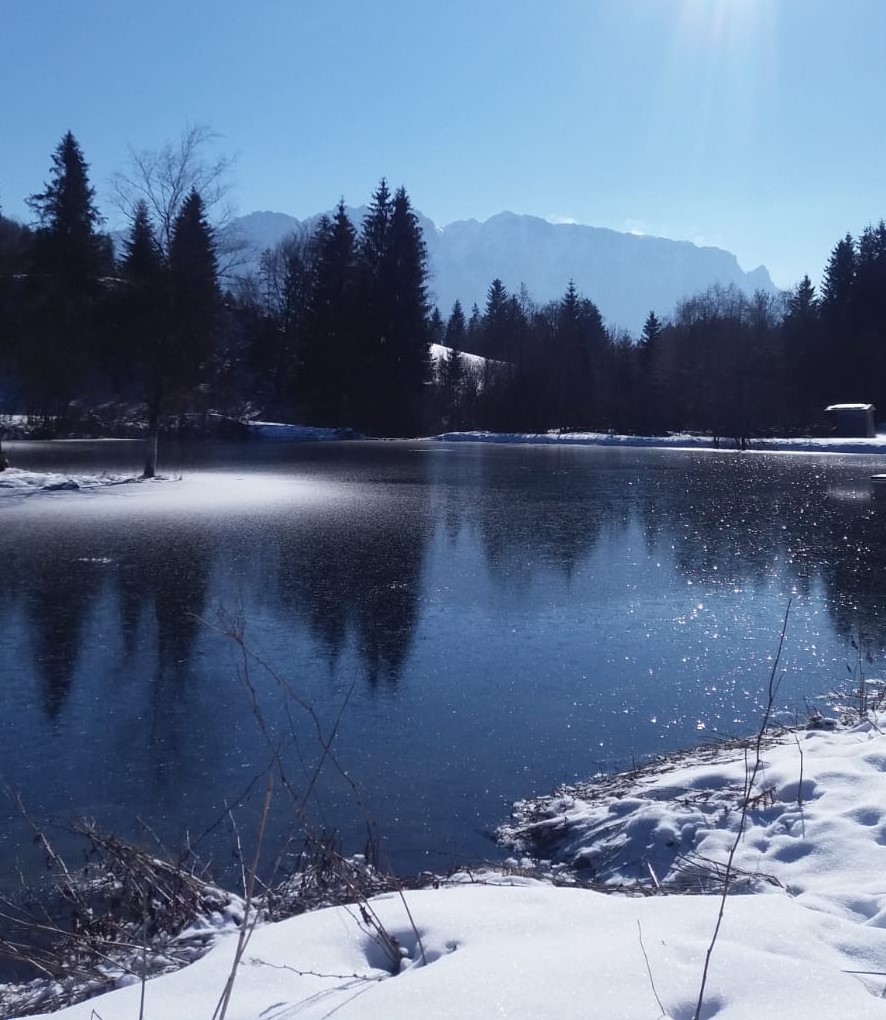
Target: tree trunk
<point>151,444</point>
<point>4,463</point>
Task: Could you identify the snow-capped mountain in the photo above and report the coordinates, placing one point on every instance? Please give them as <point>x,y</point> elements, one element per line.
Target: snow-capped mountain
<point>626,275</point>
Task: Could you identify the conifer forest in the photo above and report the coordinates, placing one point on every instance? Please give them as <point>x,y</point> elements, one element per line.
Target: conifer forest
<point>160,327</point>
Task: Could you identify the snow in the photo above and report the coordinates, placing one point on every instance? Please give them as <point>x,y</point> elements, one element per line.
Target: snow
<point>475,361</point>
<point>303,433</point>
<point>808,940</point>
<point>17,482</point>
<point>683,440</point>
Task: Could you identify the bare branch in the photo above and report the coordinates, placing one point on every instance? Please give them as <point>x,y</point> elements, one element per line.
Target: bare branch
<point>163,177</point>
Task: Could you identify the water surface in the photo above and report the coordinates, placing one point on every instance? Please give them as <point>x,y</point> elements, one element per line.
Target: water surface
<point>495,620</point>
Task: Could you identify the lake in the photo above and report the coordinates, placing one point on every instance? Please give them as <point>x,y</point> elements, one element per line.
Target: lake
<point>475,623</point>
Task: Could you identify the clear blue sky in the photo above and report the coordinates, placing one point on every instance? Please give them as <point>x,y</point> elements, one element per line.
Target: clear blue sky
<point>756,125</point>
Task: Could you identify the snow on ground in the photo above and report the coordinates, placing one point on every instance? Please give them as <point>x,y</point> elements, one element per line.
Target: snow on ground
<point>16,482</point>
<point>810,942</point>
<point>682,440</point>
<point>475,361</point>
<point>305,433</point>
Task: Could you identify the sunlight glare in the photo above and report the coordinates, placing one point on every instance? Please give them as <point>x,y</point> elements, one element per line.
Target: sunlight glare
<point>721,24</point>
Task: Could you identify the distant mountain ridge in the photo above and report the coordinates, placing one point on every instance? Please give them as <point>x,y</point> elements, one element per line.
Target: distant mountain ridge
<point>625,275</point>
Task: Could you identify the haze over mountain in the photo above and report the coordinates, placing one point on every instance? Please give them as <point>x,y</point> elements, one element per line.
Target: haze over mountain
<point>626,275</point>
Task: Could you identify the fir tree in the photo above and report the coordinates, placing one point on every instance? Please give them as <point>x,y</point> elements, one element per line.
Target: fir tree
<point>329,362</point>
<point>195,297</point>
<point>453,366</point>
<point>69,257</point>
<point>144,313</point>
<point>393,343</point>
<point>69,244</point>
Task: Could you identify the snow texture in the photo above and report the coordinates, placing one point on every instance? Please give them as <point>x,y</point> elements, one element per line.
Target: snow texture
<point>16,482</point>
<point>811,942</point>
<point>677,441</point>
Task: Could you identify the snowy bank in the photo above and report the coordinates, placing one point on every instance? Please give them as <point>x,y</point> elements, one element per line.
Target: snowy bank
<point>526,951</point>
<point>295,433</point>
<point>811,943</point>
<point>678,441</point>
<point>16,482</point>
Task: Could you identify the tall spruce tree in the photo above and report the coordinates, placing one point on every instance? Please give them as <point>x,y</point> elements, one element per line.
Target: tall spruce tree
<point>194,291</point>
<point>452,371</point>
<point>647,413</point>
<point>394,342</point>
<point>408,354</point>
<point>841,343</point>
<point>69,257</point>
<point>330,372</point>
<point>145,315</point>
<point>571,365</point>
<point>807,375</point>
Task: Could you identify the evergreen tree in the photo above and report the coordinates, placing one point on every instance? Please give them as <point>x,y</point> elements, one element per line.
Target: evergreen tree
<point>848,375</point>
<point>869,314</point>
<point>647,396</point>
<point>285,279</point>
<point>437,328</point>
<point>839,276</point>
<point>144,315</point>
<point>15,241</point>
<point>453,367</point>
<point>651,335</point>
<point>394,335</point>
<point>579,339</point>
<point>408,346</point>
<point>806,368</point>
<point>474,340</point>
<point>195,297</point>
<point>496,325</point>
<point>330,368</point>
<point>68,243</point>
<point>69,257</point>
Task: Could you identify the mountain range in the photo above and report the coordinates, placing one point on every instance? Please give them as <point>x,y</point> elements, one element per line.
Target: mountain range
<point>625,275</point>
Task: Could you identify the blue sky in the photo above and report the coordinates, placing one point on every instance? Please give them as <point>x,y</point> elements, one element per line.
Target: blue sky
<point>755,125</point>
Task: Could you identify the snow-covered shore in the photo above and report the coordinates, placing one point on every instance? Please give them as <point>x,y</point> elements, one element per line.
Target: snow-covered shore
<point>17,482</point>
<point>677,441</point>
<point>808,940</point>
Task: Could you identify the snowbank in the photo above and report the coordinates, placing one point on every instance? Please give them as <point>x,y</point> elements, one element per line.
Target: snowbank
<point>811,943</point>
<point>16,482</point>
<point>525,951</point>
<point>303,433</point>
<point>682,441</point>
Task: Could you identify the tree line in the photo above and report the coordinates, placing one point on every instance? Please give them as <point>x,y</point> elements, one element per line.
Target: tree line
<point>336,328</point>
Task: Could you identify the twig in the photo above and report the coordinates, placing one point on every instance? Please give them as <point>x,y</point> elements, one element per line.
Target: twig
<point>649,969</point>
<point>248,926</point>
<point>750,779</point>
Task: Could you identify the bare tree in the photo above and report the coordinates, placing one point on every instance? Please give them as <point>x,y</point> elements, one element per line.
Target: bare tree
<point>163,178</point>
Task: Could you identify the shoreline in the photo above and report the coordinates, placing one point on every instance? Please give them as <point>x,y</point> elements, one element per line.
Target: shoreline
<point>813,932</point>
